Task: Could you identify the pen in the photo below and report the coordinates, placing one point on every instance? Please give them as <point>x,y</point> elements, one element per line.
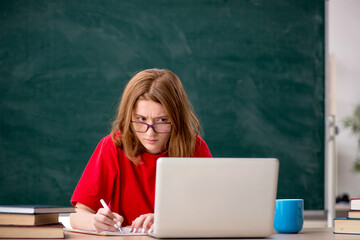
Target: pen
<point>106,207</point>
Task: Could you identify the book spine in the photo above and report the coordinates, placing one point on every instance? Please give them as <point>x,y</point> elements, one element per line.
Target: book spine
<point>347,218</point>
<point>346,233</point>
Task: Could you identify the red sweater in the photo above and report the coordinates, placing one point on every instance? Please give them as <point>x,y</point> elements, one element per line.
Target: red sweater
<point>127,188</point>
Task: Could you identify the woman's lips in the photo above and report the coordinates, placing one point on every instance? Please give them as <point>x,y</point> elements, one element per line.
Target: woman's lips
<point>151,141</point>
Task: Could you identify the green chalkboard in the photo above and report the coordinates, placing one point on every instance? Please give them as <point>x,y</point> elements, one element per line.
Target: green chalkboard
<point>253,70</point>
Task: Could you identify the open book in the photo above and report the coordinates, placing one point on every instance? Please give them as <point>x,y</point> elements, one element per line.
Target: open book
<point>126,232</point>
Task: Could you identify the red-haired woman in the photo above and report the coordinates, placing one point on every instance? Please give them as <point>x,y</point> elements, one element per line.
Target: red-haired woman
<point>154,119</point>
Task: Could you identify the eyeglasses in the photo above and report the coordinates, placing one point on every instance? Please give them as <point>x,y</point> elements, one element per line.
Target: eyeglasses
<point>141,127</point>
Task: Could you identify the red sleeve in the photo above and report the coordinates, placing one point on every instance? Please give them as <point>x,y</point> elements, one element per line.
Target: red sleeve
<point>99,177</point>
<point>201,148</point>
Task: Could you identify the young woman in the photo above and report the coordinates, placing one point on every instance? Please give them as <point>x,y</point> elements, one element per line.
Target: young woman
<point>154,120</point>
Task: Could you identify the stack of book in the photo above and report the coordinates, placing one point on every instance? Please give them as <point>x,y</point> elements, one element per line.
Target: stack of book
<point>351,224</point>
<point>32,221</point>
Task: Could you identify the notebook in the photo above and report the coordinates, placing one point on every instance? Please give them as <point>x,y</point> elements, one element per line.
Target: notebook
<point>215,197</point>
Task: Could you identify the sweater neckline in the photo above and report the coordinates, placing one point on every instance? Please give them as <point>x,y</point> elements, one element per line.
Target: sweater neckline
<point>153,156</point>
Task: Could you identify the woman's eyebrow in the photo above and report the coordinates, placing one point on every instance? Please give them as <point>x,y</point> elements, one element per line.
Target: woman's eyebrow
<point>165,116</point>
<point>139,115</point>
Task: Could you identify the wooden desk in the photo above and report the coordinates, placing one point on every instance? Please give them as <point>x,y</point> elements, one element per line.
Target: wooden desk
<point>305,234</point>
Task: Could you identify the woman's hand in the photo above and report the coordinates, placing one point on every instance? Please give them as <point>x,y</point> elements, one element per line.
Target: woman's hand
<point>87,219</point>
<point>105,220</point>
<point>146,222</point>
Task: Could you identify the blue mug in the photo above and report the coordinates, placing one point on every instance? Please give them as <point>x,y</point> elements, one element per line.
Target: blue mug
<point>289,215</point>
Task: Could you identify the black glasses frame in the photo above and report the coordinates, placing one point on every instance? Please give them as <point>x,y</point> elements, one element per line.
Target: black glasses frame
<point>150,126</point>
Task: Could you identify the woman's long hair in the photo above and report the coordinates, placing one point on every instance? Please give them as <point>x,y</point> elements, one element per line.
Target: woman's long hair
<point>164,87</point>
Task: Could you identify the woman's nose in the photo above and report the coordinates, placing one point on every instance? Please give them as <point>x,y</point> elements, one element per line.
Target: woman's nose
<point>150,131</point>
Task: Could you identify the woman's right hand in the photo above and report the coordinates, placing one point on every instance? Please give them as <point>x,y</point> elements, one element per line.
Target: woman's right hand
<point>105,220</point>
<point>87,219</point>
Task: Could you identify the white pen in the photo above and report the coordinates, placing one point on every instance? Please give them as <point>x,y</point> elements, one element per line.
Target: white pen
<point>103,203</point>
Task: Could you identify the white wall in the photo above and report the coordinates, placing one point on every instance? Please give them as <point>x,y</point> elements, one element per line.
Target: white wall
<point>344,45</point>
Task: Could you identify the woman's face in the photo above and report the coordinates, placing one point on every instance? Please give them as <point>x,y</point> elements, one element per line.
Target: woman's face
<point>150,112</point>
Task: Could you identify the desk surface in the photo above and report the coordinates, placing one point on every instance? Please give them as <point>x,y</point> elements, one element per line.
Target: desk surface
<point>305,234</point>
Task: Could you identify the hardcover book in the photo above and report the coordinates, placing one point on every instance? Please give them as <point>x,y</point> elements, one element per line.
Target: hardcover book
<point>28,219</point>
<point>353,214</point>
<point>45,231</point>
<point>347,226</point>
<point>354,203</point>
<point>35,209</point>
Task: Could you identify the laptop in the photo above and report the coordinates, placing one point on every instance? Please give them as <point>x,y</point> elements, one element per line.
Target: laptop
<point>215,197</point>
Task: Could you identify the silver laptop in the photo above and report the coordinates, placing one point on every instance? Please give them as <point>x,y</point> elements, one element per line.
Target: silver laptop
<point>215,197</point>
